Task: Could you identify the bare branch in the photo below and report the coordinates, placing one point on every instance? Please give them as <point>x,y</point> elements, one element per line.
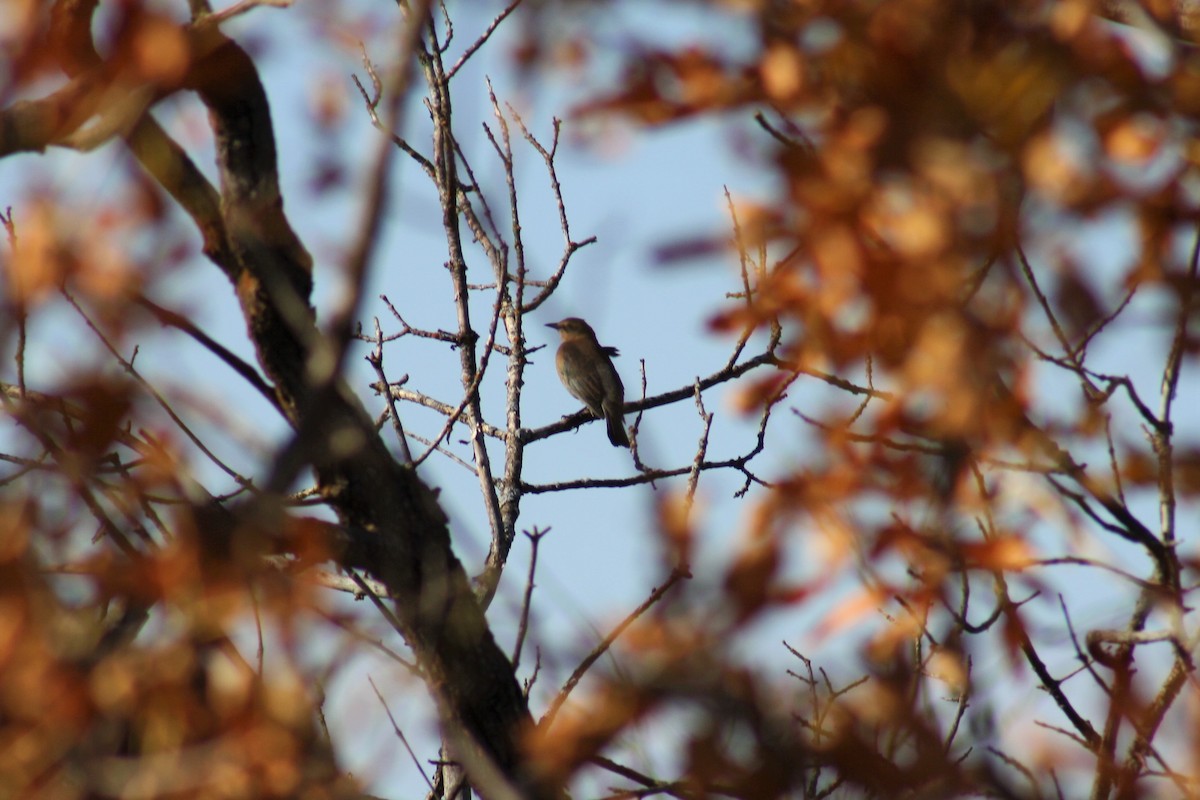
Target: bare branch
<point>600,649</point>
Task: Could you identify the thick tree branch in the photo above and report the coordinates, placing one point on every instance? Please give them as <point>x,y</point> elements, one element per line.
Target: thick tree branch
<point>398,532</point>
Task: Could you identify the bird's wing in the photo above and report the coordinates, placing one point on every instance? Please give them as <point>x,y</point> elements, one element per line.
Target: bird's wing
<point>586,382</point>
<point>611,381</point>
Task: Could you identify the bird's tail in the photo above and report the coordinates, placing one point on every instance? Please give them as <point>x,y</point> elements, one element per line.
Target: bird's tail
<point>616,431</point>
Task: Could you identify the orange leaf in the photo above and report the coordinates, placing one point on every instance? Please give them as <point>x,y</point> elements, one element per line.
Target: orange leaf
<point>1000,553</point>
<point>851,611</point>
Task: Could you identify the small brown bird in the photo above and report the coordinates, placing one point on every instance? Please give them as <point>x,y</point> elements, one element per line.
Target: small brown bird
<point>585,367</point>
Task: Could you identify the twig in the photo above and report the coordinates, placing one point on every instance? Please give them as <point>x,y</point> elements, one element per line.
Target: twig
<point>248,373</point>
<point>237,9</point>
<point>127,365</point>
<point>375,359</point>
<point>701,448</point>
<point>22,314</point>
<point>535,539</point>
<point>478,43</point>
<point>399,733</point>
<point>548,718</point>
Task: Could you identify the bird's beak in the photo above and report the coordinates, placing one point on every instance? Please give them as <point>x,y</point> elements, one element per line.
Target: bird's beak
<point>552,325</point>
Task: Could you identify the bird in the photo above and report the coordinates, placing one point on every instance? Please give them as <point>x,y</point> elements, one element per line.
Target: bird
<point>586,370</point>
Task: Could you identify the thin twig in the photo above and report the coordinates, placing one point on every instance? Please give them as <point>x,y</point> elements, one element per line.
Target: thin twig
<point>535,539</point>
<point>478,43</point>
<point>127,365</point>
<point>548,718</point>
<point>399,733</point>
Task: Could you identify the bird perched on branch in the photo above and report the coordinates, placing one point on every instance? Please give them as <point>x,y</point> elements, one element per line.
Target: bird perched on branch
<point>586,369</point>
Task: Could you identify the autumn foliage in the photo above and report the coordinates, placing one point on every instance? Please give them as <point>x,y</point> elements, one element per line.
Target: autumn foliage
<point>962,346</point>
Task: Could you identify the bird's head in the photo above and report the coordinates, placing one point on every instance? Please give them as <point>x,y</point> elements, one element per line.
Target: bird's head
<point>572,327</point>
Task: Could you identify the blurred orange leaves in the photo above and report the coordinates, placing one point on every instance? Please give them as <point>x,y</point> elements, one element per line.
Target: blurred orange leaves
<point>159,50</point>
<point>41,260</point>
<point>1136,138</point>
<point>664,87</point>
<point>1004,552</point>
<point>675,515</point>
<point>54,247</point>
<point>183,714</point>
<point>851,611</point>
<point>750,576</point>
<point>105,405</point>
<point>782,73</point>
<point>583,729</point>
